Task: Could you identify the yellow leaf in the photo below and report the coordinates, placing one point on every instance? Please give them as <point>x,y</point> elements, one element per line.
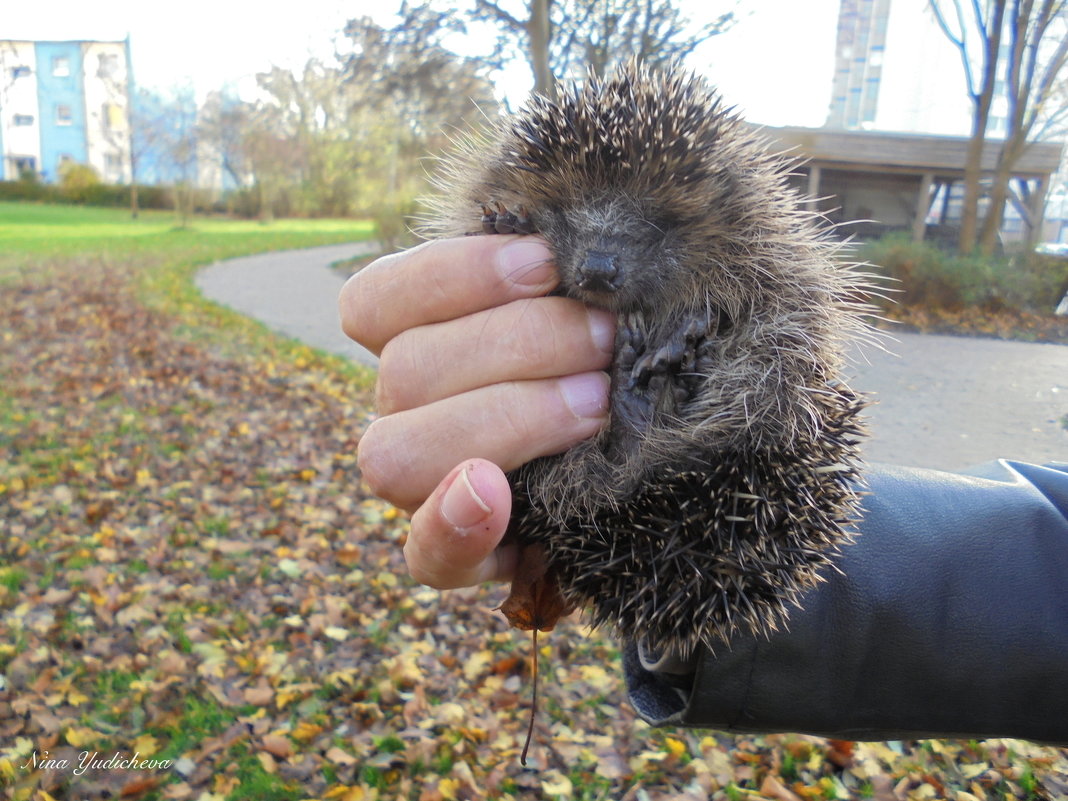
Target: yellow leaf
<point>76,697</point>
<point>555,783</point>
<point>283,697</point>
<point>345,793</point>
<point>79,736</point>
<point>336,633</point>
<point>306,731</point>
<point>447,788</point>
<point>143,478</point>
<point>596,676</point>
<point>146,745</point>
<point>974,771</point>
<point>477,664</point>
<point>677,748</point>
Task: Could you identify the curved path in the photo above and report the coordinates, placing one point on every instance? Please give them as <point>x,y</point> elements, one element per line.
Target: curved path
<point>943,402</point>
<point>292,291</point>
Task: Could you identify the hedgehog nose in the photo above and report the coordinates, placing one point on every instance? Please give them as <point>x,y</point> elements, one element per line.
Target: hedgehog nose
<point>599,272</point>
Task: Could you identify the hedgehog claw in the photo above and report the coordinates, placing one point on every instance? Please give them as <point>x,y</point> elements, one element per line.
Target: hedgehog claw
<point>489,219</point>
<point>503,221</point>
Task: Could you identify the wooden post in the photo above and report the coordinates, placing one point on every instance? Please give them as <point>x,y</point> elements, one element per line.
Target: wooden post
<point>923,204</point>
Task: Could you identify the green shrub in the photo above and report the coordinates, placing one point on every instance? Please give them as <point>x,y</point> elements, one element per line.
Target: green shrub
<point>393,221</point>
<point>77,180</point>
<point>1041,278</point>
<point>927,277</point>
<point>112,195</point>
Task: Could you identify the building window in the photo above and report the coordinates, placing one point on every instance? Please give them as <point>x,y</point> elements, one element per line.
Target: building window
<point>63,115</point>
<point>114,117</point>
<point>24,165</point>
<point>23,119</point>
<point>108,66</point>
<point>20,72</point>
<point>113,164</point>
<point>60,67</point>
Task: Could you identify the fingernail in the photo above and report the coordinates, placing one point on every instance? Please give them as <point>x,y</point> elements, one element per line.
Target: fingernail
<point>586,394</point>
<point>461,507</point>
<point>526,262</point>
<point>602,329</point>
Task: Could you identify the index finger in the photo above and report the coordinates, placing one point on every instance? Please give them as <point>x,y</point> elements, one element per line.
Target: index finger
<point>439,281</point>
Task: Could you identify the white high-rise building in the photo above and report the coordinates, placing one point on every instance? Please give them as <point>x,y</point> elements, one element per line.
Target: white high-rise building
<point>897,71</point>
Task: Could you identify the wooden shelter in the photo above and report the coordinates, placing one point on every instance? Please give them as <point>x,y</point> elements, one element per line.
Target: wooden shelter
<point>891,181</point>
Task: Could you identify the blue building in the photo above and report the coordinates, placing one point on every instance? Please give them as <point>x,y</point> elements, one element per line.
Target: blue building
<point>65,102</point>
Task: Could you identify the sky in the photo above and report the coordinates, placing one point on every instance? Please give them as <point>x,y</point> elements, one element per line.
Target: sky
<point>775,64</point>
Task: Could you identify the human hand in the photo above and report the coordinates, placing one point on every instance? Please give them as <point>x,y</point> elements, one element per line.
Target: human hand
<point>479,373</point>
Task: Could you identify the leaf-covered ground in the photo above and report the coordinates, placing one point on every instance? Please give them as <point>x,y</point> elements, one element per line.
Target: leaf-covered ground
<point>1024,326</point>
<point>194,578</point>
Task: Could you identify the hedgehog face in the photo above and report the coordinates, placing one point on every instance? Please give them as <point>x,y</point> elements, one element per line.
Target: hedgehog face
<point>610,255</point>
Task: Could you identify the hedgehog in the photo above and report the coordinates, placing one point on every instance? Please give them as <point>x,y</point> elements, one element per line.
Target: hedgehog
<point>728,474</point>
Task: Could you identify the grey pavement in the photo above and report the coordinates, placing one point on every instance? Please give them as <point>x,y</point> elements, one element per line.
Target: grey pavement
<point>942,402</point>
<point>293,292</point>
<point>951,402</point>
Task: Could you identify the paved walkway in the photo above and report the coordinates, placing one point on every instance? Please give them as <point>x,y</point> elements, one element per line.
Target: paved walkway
<point>944,402</point>
<point>292,291</point>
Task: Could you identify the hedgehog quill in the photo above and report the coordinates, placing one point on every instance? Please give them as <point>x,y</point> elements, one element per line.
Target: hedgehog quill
<point>726,478</point>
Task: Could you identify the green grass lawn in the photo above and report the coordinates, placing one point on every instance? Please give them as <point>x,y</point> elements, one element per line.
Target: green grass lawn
<point>64,230</point>
<point>41,242</point>
<point>192,571</point>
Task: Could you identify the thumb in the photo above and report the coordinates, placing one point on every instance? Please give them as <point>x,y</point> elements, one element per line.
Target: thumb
<point>455,534</point>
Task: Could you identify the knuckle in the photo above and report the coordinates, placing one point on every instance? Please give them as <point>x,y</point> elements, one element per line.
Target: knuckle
<point>374,459</point>
<point>516,408</point>
<point>393,375</point>
<point>533,340</point>
<point>356,320</point>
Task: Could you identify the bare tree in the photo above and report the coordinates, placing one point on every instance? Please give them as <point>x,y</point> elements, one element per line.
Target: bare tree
<point>527,29</point>
<point>1038,52</point>
<point>225,121</point>
<point>164,143</point>
<point>408,90</point>
<point>564,38</point>
<point>988,24</point>
<point>597,34</point>
<point>1029,66</point>
<point>313,107</point>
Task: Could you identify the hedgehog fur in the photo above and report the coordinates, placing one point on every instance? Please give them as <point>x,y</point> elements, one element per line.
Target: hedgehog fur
<point>726,477</point>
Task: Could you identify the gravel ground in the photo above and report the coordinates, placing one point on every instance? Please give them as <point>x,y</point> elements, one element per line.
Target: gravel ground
<point>942,402</point>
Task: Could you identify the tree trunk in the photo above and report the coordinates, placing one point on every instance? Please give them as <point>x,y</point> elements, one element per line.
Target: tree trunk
<point>981,98</point>
<point>540,33</point>
<point>969,212</point>
<point>999,195</point>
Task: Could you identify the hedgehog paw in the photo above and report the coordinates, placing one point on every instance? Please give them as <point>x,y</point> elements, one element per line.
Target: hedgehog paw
<point>677,362</point>
<point>503,221</point>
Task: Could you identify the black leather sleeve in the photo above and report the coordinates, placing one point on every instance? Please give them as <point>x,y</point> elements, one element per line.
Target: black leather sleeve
<point>948,618</point>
